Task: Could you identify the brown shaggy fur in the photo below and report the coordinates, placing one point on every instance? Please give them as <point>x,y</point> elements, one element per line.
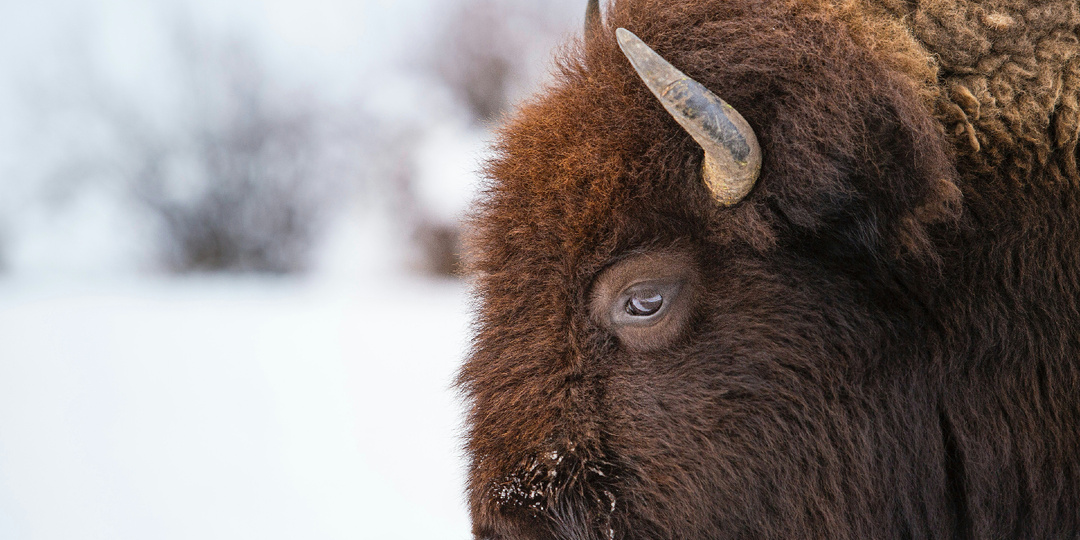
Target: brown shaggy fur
<point>888,342</point>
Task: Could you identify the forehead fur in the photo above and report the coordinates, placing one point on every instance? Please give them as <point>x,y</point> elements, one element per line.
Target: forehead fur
<point>595,163</point>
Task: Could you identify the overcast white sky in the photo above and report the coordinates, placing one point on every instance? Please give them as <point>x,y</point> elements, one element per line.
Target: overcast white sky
<point>349,55</point>
<point>326,41</point>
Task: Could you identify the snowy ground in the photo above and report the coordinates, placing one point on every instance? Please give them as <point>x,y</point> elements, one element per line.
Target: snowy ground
<point>231,408</point>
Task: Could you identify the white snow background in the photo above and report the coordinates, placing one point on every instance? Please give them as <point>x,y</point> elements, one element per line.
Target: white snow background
<point>138,405</point>
<point>230,409</point>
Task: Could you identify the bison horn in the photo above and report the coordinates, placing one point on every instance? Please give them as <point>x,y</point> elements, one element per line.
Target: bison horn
<point>592,16</point>
<point>732,154</point>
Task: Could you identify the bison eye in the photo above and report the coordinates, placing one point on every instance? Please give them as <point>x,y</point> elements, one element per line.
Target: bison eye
<point>644,304</point>
<point>646,300</point>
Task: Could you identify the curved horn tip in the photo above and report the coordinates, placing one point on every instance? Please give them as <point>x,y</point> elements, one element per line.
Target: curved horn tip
<point>654,70</point>
<point>592,16</point>
<point>732,153</point>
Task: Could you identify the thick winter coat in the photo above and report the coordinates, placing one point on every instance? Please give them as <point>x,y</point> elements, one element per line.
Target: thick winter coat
<point>882,340</point>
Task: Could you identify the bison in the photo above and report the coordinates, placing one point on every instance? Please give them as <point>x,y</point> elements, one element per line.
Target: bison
<point>785,269</point>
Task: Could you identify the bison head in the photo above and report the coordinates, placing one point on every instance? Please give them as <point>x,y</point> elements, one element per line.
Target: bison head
<point>657,358</point>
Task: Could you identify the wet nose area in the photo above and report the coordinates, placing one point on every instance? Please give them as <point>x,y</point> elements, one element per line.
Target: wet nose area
<point>536,484</point>
<point>560,490</point>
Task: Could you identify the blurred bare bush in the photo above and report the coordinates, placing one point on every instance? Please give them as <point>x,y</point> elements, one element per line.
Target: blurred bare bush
<point>491,52</point>
<point>488,54</point>
<point>244,174</point>
<point>436,244</point>
<point>230,168</point>
<point>238,191</point>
